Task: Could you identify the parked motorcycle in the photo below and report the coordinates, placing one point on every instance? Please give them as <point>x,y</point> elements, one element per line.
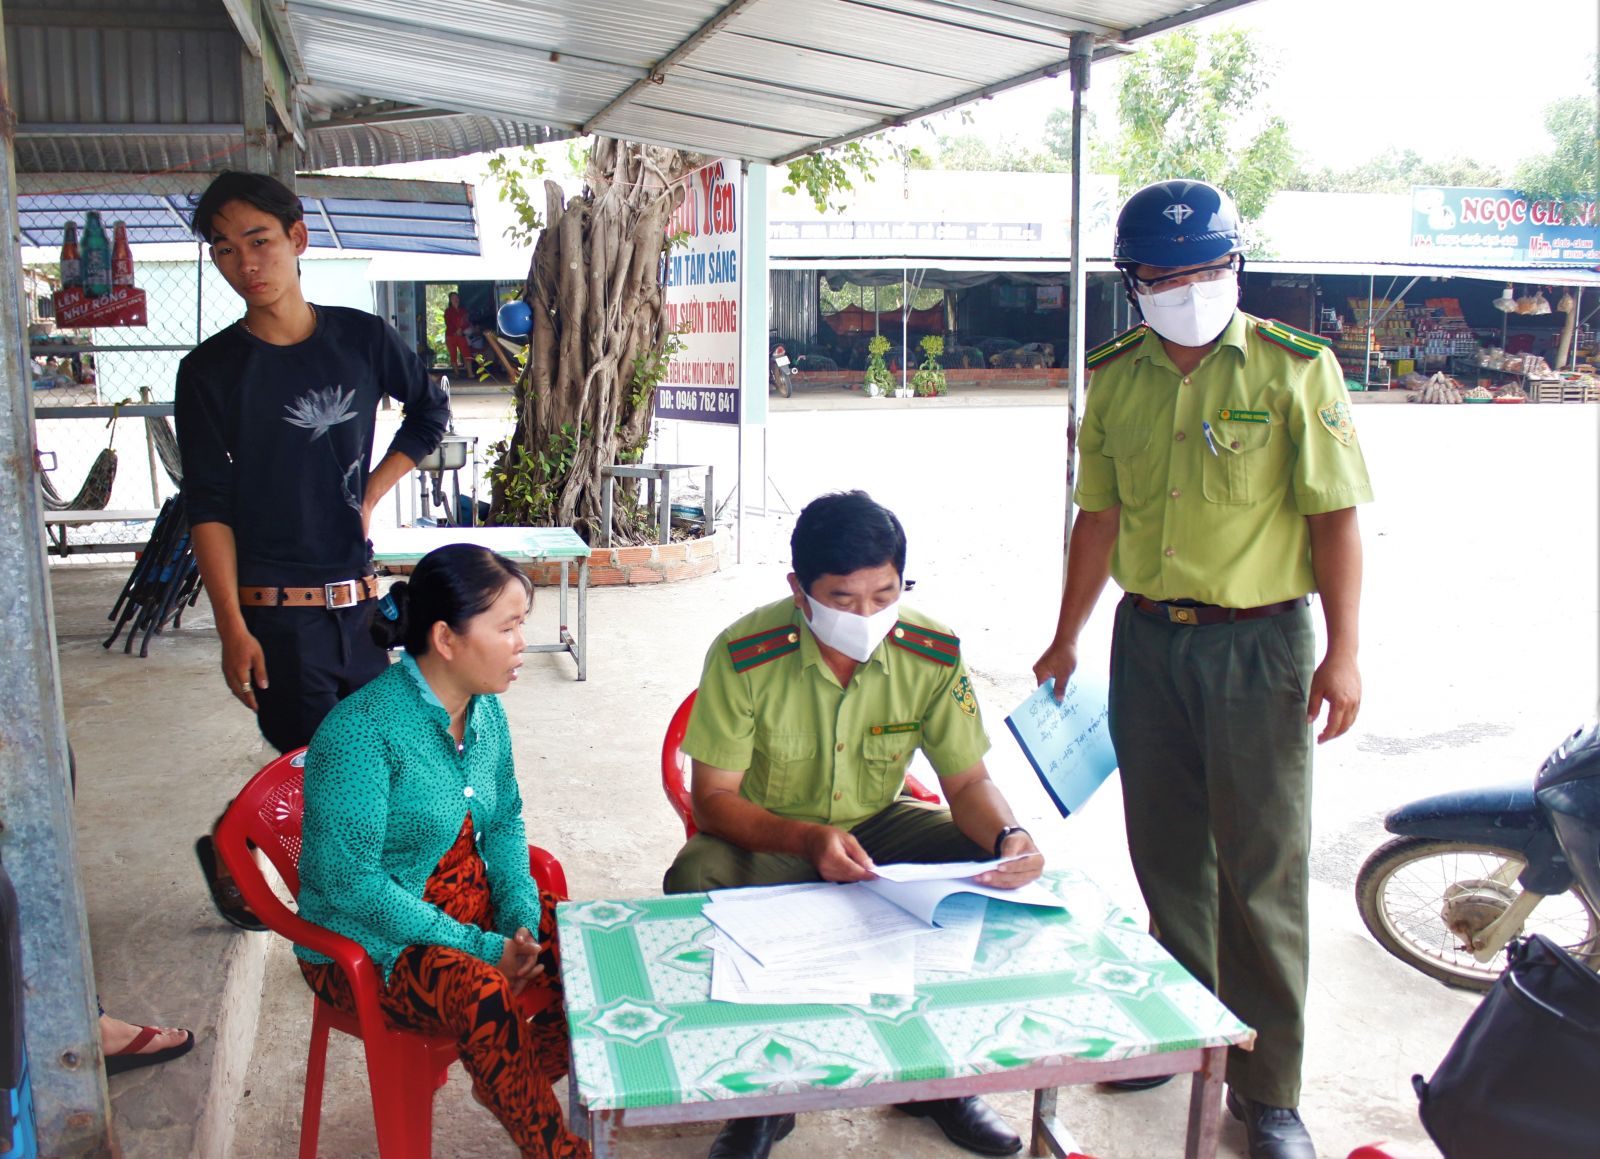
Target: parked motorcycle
<point>780,375</point>
<point>1470,870</point>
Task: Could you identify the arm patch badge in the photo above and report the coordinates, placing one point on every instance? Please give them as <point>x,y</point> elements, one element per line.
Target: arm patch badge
<point>1336,417</point>
<point>961,692</point>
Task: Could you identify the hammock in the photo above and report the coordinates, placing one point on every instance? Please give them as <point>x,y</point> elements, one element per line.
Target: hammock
<point>166,444</point>
<point>95,492</point>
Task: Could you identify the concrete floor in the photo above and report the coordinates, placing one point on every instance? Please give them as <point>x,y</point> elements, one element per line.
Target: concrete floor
<point>1479,639</point>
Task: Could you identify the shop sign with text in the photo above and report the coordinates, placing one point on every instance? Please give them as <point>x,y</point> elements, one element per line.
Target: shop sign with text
<point>1501,226</point>
<point>702,300</point>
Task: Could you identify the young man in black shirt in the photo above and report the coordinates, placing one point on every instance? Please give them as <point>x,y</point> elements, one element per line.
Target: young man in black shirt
<point>275,419</point>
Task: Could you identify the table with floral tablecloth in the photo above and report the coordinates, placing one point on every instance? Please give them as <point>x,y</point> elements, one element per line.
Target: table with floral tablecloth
<point>1056,996</point>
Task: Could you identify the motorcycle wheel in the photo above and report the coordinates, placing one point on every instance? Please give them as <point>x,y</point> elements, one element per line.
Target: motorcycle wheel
<point>1406,886</point>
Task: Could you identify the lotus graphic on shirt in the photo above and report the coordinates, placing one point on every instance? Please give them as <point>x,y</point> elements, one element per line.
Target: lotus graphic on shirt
<point>320,410</point>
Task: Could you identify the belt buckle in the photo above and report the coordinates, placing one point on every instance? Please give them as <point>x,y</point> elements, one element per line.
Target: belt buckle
<point>350,594</point>
<point>1180,615</point>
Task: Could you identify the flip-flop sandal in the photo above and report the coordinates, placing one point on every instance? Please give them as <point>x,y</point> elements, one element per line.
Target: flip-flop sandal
<point>129,1058</point>
<point>225,893</point>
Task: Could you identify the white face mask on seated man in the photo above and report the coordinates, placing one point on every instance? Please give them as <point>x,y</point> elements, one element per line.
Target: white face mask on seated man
<point>1192,314</point>
<point>855,636</point>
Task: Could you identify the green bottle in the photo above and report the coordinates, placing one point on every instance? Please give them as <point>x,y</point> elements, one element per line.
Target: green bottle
<point>96,256</point>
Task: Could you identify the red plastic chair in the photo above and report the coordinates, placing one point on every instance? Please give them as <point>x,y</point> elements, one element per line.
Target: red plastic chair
<point>403,1069</point>
<point>675,769</point>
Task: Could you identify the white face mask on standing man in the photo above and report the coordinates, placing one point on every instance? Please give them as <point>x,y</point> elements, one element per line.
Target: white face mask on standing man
<point>1192,313</point>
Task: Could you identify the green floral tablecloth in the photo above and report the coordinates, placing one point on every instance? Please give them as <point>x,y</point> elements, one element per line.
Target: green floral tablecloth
<point>1048,985</point>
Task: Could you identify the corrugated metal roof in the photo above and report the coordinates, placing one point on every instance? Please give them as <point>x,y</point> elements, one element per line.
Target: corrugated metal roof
<point>156,85</point>
<point>756,79</point>
<point>352,213</point>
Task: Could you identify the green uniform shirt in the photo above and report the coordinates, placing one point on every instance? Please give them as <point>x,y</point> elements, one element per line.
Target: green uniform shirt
<point>1222,520</point>
<point>813,751</point>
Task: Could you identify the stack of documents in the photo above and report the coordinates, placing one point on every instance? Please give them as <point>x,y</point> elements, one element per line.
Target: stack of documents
<point>844,943</point>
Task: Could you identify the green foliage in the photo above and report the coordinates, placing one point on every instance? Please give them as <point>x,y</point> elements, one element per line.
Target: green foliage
<point>650,368</point>
<point>877,370</point>
<point>531,480</point>
<point>972,153</point>
<point>929,381</point>
<point>1188,107</point>
<point>1571,171</point>
<point>517,172</point>
<point>828,175</point>
<point>434,300</point>
<point>883,299</point>
<point>1396,171</point>
<point>1058,132</point>
<point>578,150</point>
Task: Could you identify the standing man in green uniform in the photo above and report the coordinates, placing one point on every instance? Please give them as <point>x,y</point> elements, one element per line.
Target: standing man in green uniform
<point>1219,473</point>
<point>809,710</point>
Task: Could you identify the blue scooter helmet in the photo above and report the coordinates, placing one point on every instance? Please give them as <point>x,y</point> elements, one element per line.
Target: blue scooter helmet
<point>1177,223</point>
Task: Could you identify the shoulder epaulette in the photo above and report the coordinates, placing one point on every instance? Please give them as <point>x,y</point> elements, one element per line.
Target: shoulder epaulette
<point>927,643</point>
<point>1296,342</point>
<point>1116,348</point>
<point>749,652</point>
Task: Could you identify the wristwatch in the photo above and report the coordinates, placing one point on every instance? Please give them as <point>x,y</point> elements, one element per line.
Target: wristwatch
<point>1000,838</point>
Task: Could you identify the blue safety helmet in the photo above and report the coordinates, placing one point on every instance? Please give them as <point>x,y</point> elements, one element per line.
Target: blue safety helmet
<point>1177,223</point>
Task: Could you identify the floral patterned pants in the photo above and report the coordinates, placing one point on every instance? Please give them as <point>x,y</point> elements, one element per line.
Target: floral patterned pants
<point>440,991</point>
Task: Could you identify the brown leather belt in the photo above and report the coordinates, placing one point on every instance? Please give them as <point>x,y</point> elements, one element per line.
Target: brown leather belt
<point>341,594</point>
<point>1201,614</point>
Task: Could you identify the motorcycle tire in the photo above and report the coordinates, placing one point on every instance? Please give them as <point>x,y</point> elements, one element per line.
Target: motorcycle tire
<point>1400,897</point>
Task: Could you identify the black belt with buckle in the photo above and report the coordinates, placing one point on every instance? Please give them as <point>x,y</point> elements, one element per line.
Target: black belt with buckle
<point>340,594</point>
<point>1192,614</point>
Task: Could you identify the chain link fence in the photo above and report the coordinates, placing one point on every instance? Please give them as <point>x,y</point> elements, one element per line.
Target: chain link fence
<point>110,388</point>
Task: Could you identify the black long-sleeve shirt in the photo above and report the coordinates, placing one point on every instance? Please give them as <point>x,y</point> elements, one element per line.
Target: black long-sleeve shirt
<point>277,440</point>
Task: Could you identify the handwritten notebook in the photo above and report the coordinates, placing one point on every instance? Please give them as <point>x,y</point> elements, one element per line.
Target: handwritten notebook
<point>1068,744</point>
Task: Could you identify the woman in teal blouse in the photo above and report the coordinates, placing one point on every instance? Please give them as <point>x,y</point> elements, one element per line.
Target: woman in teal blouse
<point>413,843</point>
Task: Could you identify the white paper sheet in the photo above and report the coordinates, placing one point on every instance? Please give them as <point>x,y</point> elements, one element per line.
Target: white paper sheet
<point>921,898</point>
<point>840,978</point>
<point>938,870</point>
<point>953,947</point>
<point>807,923</point>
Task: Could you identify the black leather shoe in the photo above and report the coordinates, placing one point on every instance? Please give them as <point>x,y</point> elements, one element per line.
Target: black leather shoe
<point>750,1138</point>
<point>1149,1083</point>
<point>1274,1132</point>
<point>969,1123</point>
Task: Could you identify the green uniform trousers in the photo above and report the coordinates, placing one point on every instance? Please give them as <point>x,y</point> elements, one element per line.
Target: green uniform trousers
<point>1209,724</point>
<point>907,830</point>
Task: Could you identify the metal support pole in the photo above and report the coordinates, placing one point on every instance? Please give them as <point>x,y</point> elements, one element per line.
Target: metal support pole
<point>1080,56</point>
<point>259,145</point>
<point>37,840</point>
<point>199,295</point>
<point>905,326</point>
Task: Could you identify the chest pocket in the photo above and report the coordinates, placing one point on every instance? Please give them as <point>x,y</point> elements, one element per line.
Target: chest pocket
<point>883,761</point>
<point>1236,473</point>
<point>790,759</point>
<point>1129,449</point>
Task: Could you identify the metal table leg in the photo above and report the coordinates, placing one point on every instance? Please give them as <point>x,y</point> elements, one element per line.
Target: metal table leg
<point>562,636</point>
<point>1050,1134</point>
<point>581,649</point>
<point>604,1127</point>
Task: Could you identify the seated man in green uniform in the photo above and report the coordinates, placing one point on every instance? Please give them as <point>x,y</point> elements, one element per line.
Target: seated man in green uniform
<point>1218,482</point>
<point>809,711</point>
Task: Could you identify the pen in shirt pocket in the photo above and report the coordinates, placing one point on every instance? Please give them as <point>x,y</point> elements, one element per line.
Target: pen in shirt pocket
<point>1211,442</point>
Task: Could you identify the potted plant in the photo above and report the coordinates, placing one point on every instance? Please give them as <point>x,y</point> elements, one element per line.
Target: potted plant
<point>878,380</point>
<point>928,381</point>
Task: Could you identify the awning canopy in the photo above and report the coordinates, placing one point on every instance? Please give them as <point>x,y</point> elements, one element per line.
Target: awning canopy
<point>150,85</point>
<point>418,217</point>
